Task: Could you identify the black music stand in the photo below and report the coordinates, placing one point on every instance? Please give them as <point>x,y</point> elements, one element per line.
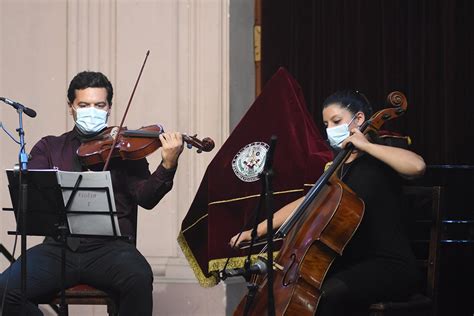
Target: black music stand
<point>48,215</point>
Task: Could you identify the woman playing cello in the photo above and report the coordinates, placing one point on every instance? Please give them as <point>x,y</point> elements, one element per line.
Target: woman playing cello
<point>378,263</point>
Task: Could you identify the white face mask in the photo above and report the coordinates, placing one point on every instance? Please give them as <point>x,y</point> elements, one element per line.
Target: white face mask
<point>337,134</point>
<point>90,120</point>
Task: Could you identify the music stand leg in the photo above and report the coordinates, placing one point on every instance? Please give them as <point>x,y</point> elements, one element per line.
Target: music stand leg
<point>63,309</point>
<point>252,290</point>
<point>64,231</point>
<point>23,208</point>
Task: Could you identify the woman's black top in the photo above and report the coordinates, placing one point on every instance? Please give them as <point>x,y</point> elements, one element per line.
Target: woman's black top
<point>378,262</point>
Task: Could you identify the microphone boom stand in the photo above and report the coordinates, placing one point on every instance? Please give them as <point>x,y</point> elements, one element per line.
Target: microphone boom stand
<point>267,175</point>
<point>266,199</point>
<point>22,205</point>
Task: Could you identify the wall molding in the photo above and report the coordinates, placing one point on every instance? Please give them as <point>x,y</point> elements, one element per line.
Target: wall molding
<point>188,77</point>
<point>91,39</point>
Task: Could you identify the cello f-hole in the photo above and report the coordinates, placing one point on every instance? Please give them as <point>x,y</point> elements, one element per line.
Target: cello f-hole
<point>284,281</point>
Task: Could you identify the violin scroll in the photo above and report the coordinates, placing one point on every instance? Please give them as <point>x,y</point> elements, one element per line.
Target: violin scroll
<point>206,144</point>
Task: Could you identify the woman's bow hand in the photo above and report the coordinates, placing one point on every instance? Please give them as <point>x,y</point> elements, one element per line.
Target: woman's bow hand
<point>245,236</point>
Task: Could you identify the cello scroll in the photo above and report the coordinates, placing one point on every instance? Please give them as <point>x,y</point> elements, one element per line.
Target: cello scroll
<point>399,104</point>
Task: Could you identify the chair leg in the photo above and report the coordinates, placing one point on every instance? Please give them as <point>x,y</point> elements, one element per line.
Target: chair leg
<point>55,308</point>
<point>66,310</point>
<point>112,309</point>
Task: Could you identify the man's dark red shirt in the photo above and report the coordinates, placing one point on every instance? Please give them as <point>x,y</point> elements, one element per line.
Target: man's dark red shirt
<point>132,182</point>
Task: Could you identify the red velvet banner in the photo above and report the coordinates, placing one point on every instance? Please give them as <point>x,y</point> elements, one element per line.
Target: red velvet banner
<point>229,191</point>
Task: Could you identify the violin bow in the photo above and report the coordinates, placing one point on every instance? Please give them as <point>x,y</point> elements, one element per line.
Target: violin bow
<point>125,114</point>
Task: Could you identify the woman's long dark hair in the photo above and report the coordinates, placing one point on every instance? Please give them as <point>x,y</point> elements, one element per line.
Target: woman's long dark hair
<point>352,100</point>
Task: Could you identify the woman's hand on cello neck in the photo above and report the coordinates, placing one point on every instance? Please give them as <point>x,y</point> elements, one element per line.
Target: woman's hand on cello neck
<point>407,163</point>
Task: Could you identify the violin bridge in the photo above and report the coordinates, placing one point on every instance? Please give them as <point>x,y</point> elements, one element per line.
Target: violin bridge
<point>114,132</point>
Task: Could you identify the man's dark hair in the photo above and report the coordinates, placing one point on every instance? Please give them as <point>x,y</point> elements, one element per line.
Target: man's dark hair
<point>89,79</point>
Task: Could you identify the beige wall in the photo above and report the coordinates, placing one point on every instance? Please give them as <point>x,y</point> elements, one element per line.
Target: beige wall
<point>44,43</point>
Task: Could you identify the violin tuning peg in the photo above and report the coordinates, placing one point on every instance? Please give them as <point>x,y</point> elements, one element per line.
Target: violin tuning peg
<point>199,151</point>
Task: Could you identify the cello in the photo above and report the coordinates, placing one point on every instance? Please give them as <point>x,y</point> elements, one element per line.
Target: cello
<point>315,234</point>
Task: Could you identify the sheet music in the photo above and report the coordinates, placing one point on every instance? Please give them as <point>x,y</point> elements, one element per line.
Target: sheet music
<point>90,197</point>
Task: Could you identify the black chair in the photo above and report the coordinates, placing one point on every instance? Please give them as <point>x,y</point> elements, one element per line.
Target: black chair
<point>83,294</point>
<point>423,221</point>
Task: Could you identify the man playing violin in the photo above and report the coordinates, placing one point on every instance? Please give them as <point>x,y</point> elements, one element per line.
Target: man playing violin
<point>114,266</point>
<point>378,263</point>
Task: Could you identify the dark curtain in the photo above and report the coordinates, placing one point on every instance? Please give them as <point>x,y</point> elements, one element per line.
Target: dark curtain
<point>422,48</point>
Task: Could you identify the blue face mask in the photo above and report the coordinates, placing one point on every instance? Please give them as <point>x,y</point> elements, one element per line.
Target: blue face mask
<point>337,134</point>
<point>90,120</point>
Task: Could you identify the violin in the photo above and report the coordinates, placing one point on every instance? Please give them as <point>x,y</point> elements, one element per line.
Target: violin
<point>118,141</point>
<point>131,144</point>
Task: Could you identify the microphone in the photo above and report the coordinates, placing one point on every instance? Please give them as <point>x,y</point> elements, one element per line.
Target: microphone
<point>19,106</point>
<point>271,150</point>
<point>258,267</point>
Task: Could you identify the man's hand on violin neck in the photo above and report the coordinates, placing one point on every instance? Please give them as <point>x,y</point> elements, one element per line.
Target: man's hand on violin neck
<point>171,148</point>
